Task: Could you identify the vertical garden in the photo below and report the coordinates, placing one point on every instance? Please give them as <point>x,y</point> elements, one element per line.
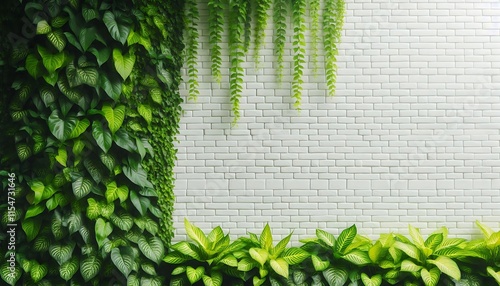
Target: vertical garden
<point>90,109</point>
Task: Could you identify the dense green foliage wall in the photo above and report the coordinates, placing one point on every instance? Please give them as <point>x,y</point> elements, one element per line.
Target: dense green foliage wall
<point>90,109</point>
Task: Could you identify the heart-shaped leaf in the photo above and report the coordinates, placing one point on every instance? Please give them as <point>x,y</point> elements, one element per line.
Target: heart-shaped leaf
<point>102,136</point>
<point>119,31</point>
<point>123,63</point>
<point>114,116</point>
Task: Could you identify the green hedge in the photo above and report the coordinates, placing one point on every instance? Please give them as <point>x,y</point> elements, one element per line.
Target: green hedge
<point>348,259</point>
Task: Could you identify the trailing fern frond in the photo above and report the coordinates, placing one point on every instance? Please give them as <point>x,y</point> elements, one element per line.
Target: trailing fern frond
<point>260,25</point>
<point>216,26</point>
<point>333,21</point>
<point>237,20</point>
<point>314,7</point>
<point>248,22</point>
<point>299,42</point>
<point>191,19</point>
<point>279,18</point>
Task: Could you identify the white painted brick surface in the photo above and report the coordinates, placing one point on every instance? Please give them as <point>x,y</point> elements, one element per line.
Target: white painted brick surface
<point>412,135</point>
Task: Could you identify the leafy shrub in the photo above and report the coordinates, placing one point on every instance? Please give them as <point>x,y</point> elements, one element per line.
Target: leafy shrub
<point>347,260</point>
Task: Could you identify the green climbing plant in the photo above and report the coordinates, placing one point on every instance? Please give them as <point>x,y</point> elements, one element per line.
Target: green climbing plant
<point>216,14</point>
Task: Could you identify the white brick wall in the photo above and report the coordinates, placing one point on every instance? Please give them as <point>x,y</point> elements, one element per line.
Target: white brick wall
<point>412,135</point>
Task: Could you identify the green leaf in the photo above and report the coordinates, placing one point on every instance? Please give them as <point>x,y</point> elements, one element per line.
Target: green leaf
<point>102,136</point>
<point>123,63</point>
<point>118,31</point>
<point>345,239</point>
<point>416,236</point>
<point>102,55</point>
<point>80,127</point>
<point>280,266</point>
<point>196,234</point>
<point>23,151</point>
<point>9,276</point>
<point>31,227</point>
<point>433,241</point>
<point>430,278</point>
<point>90,267</point>
<point>34,66</point>
<point>59,21</point>
<point>114,117</point>
<point>123,260</point>
<point>492,273</point>
<point>318,264</point>
<point>88,75</point>
<point>146,112</point>
<point>57,39</point>
<point>34,210</point>
<point>38,271</point>
<point>447,266</point>
<point>69,268</point>
<point>375,280</point>
<point>326,237</point>
<point>74,222</point>
<point>123,220</point>
<point>214,280</point>
<point>140,203</point>
<point>176,257</point>
<point>486,230</point>
<point>152,248</point>
<point>81,187</point>
<point>410,266</point>
<point>89,13</point>
<point>51,62</point>
<point>111,85</point>
<point>123,139</point>
<point>294,255</point>
<point>102,230</point>
<point>51,78</point>
<point>61,253</point>
<point>258,254</point>
<point>61,128</point>
<point>336,276</point>
<point>247,264</point>
<point>137,176</point>
<point>194,275</point>
<point>409,249</point>
<point>114,192</point>
<point>357,257</point>
<point>266,238</point>
<point>43,27</point>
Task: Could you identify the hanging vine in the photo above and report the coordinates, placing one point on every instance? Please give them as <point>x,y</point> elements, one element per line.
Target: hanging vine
<point>240,23</point>
<point>216,27</point>
<point>260,25</point>
<point>191,21</point>
<point>299,42</point>
<point>236,54</point>
<point>314,7</point>
<point>279,18</point>
<point>333,21</point>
